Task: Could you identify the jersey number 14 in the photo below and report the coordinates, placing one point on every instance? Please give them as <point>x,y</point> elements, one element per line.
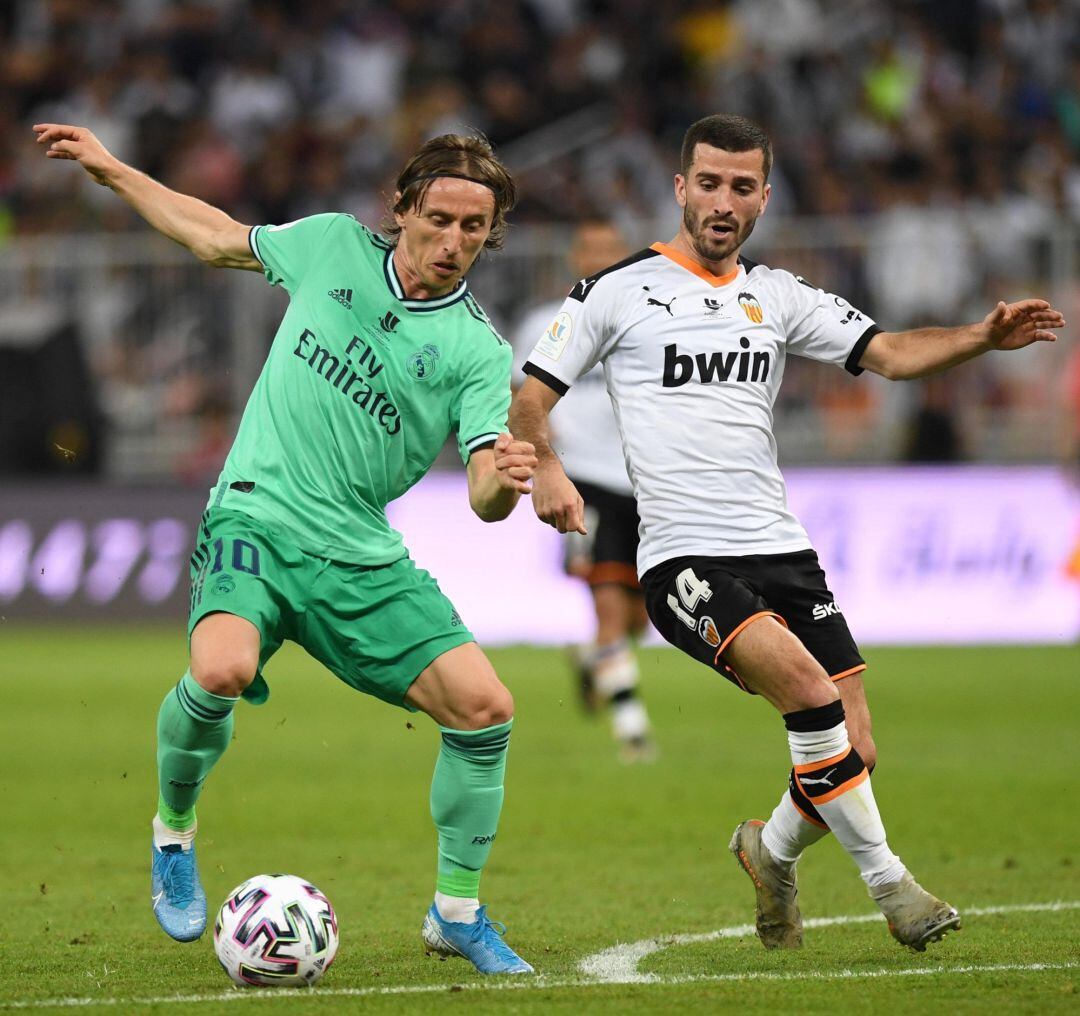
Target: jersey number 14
<point>691,590</point>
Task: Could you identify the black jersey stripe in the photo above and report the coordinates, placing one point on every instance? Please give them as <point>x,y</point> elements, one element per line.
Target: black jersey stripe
<point>851,365</point>
<point>748,265</point>
<point>481,441</point>
<point>581,291</point>
<point>480,314</point>
<point>557,386</point>
<point>254,245</point>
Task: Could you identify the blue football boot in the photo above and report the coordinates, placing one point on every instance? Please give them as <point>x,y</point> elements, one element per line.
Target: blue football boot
<point>179,900</point>
<point>480,942</point>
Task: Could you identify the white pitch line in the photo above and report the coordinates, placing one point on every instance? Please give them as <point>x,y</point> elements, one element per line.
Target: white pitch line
<point>591,980</point>
<point>285,994</point>
<point>619,964</point>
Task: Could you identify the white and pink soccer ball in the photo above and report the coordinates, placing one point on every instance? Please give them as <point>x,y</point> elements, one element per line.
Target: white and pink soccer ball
<point>276,930</point>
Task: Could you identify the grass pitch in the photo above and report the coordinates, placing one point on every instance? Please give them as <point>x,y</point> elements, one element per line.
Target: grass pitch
<point>977,774</point>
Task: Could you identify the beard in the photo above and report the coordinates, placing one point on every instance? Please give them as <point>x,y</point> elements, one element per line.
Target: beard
<point>712,248</point>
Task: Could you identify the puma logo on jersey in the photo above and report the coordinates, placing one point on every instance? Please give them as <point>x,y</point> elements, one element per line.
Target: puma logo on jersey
<point>653,302</point>
<point>824,610</point>
<point>581,290</point>
<point>820,781</point>
<point>679,368</point>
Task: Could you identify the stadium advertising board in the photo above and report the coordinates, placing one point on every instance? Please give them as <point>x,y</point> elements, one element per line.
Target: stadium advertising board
<point>942,555</point>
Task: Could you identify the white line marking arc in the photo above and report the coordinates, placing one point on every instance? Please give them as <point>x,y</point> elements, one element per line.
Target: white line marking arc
<point>617,965</point>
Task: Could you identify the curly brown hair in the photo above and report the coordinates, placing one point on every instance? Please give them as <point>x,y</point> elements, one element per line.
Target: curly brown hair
<point>468,157</point>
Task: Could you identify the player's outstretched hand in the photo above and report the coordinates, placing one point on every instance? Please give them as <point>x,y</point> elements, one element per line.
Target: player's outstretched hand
<point>1015,325</point>
<point>556,500</point>
<point>515,462</point>
<point>79,145</point>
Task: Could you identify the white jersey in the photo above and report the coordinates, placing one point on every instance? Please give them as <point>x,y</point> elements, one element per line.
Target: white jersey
<point>584,434</point>
<point>693,362</point>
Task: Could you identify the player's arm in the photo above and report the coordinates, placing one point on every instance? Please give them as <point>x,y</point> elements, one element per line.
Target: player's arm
<point>905,355</point>
<point>556,500</point>
<point>498,477</point>
<point>210,234</point>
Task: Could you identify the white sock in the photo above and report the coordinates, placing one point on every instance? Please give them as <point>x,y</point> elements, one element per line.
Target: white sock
<point>456,909</point>
<point>824,765</point>
<point>787,833</point>
<point>614,668</point>
<point>615,672</point>
<point>164,836</point>
<point>629,721</point>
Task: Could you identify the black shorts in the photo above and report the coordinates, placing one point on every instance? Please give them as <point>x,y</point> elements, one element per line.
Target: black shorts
<point>699,604</point>
<point>609,552</point>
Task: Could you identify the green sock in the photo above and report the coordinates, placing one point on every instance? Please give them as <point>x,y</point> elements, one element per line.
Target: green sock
<point>194,728</point>
<point>466,799</point>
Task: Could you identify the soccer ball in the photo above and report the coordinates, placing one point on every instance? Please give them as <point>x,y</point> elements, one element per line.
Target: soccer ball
<point>276,930</point>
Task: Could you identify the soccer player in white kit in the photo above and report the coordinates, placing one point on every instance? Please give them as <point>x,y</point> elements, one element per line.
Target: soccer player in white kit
<point>586,439</point>
<point>693,339</point>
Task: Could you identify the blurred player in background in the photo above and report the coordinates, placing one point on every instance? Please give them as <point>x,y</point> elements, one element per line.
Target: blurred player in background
<point>693,339</point>
<point>381,354</point>
<point>586,438</point>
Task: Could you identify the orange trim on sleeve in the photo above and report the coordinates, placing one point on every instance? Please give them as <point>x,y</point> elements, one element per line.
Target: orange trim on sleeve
<point>809,818</point>
<point>842,789</point>
<point>616,572</point>
<point>847,673</point>
<point>692,266</point>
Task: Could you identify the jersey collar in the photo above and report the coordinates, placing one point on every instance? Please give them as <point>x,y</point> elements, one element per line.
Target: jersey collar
<point>692,266</point>
<point>432,303</point>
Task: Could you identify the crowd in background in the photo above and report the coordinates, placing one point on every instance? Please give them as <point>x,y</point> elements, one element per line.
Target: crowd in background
<point>953,126</point>
<point>277,109</point>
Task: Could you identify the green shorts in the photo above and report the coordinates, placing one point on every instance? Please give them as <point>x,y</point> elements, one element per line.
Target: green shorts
<point>376,628</point>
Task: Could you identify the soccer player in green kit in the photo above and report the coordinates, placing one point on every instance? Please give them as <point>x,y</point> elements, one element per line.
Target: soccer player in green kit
<point>381,354</point>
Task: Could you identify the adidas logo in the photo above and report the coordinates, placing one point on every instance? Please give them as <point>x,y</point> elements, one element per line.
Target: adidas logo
<point>343,296</point>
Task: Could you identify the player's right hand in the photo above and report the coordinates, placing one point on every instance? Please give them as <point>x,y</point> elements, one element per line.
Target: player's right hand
<point>79,145</point>
<point>556,500</point>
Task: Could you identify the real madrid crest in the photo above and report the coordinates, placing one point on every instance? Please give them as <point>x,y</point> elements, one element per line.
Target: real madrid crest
<point>423,364</point>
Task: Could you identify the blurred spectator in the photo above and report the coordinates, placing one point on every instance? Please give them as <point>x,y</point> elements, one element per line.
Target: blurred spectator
<point>846,80</point>
<point>933,434</point>
<point>941,140</point>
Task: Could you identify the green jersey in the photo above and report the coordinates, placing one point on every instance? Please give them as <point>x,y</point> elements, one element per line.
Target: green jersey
<point>360,390</point>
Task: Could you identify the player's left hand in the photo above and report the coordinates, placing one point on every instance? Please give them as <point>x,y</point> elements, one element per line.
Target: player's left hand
<point>515,462</point>
<point>1016,325</point>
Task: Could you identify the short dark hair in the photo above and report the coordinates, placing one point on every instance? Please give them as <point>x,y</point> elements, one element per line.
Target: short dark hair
<point>468,157</point>
<point>731,133</point>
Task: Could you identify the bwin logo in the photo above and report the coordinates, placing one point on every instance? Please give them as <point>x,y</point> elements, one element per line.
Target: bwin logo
<point>824,610</point>
<point>718,366</point>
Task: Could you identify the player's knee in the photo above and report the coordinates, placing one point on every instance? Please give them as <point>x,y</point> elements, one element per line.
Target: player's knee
<point>227,676</point>
<point>809,688</point>
<point>496,707</point>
